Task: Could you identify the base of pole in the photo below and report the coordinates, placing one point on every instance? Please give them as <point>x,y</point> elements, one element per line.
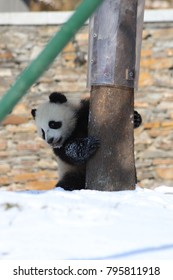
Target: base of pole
<point>111,120</point>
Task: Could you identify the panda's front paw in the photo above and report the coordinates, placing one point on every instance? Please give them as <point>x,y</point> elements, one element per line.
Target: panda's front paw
<point>80,150</point>
<point>137,119</point>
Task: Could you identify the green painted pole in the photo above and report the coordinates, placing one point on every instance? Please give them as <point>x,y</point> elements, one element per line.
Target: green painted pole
<point>30,75</point>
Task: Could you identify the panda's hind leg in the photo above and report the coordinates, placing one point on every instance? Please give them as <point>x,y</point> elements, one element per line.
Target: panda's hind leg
<point>72,181</point>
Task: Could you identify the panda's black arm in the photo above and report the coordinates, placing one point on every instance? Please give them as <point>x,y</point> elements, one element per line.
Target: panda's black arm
<point>79,150</point>
<point>137,119</point>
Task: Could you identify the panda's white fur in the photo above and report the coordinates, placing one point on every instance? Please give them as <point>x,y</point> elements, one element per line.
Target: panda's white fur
<point>65,113</point>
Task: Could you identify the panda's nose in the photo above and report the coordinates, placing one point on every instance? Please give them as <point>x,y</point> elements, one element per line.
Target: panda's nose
<point>50,140</point>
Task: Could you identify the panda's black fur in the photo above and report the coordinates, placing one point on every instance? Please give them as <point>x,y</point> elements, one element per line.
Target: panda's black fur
<point>80,144</point>
<point>64,126</point>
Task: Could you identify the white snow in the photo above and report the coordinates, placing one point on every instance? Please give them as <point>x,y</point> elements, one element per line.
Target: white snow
<point>87,225</point>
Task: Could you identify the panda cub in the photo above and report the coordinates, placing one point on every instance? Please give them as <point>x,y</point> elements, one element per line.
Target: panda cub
<point>64,126</point>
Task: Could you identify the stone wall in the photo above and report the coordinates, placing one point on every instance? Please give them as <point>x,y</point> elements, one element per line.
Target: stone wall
<point>25,160</point>
<point>67,5</point>
<point>158,4</point>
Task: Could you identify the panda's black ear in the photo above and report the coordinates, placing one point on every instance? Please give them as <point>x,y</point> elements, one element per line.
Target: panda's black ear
<point>33,113</point>
<point>57,97</point>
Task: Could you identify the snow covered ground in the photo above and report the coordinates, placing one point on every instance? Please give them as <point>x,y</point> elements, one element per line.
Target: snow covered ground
<point>87,225</point>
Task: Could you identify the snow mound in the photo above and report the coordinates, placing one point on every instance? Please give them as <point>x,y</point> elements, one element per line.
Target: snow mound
<point>87,224</point>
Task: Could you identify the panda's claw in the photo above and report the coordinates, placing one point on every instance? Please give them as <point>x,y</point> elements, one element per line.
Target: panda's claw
<point>81,149</point>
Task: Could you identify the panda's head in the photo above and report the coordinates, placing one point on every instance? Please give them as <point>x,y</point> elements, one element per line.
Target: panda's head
<point>55,119</point>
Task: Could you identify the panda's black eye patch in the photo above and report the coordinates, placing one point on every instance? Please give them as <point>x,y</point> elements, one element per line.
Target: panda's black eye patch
<point>43,134</point>
<point>55,125</point>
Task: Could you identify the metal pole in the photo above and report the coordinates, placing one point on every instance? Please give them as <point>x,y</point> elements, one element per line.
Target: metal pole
<point>46,57</point>
<point>111,75</point>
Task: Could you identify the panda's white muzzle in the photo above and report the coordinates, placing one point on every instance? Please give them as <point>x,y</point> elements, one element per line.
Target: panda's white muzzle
<point>54,142</point>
